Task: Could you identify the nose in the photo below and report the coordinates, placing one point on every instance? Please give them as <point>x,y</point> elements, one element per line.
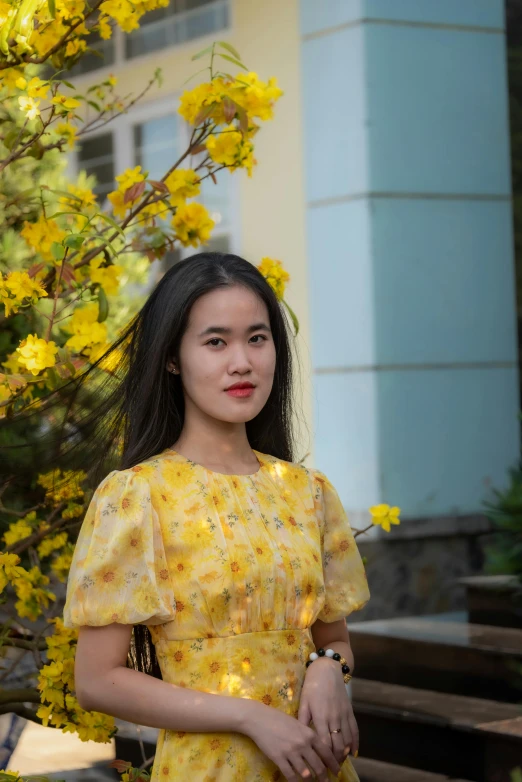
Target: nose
<point>239,361</point>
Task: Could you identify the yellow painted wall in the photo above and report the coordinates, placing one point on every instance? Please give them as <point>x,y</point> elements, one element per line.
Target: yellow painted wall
<point>271,203</point>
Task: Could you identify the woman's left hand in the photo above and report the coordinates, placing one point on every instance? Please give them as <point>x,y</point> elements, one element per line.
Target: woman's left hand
<point>325,701</point>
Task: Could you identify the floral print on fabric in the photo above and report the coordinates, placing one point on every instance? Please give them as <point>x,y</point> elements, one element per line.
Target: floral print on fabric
<point>229,572</point>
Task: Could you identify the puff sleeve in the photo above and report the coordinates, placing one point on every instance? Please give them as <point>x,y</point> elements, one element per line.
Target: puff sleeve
<point>346,586</point>
<point>119,571</point>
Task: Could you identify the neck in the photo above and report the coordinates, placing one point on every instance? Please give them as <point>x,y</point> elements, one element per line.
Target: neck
<point>216,444</point>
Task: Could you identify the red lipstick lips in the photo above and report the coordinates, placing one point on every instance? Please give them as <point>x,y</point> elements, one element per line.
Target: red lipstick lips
<point>241,390</point>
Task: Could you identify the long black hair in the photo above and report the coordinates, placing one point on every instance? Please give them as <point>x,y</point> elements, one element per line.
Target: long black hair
<point>139,405</point>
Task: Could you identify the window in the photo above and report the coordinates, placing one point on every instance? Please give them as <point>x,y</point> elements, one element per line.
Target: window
<point>95,156</point>
<point>181,20</point>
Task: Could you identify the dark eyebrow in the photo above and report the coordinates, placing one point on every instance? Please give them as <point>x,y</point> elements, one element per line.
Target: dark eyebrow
<point>226,330</point>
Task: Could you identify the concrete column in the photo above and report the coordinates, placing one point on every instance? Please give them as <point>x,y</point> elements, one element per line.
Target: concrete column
<point>410,251</point>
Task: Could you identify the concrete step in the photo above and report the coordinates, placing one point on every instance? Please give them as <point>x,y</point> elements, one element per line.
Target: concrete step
<point>453,735</point>
<point>446,656</point>
<point>377,771</point>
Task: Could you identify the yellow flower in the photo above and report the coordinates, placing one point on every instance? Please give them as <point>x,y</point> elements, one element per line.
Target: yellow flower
<point>107,276</point>
<point>68,131</point>
<point>113,80</point>
<point>17,531</point>
<point>383,516</point>
<point>104,28</point>
<point>131,176</point>
<point>85,327</point>
<point>182,183</point>
<point>71,8</point>
<point>29,106</point>
<point>123,12</point>
<point>37,354</point>
<point>275,275</point>
<point>81,198</point>
<point>231,148</point>
<point>24,287</point>
<point>119,207</point>
<point>10,76</point>
<point>65,103</point>
<point>36,88</point>
<point>192,224</point>
<point>41,235</point>
<point>203,96</point>
<point>48,545</point>
<point>255,96</point>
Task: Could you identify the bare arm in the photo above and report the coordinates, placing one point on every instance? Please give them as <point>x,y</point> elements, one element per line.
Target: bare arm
<point>103,683</point>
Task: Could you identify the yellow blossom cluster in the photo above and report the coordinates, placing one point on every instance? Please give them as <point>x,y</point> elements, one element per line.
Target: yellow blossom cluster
<point>130,177</point>
<point>60,707</point>
<point>106,276</point>
<point>36,27</point>
<point>29,586</point>
<point>62,486</point>
<point>276,276</point>
<point>193,224</point>
<point>36,354</point>
<point>232,148</point>
<point>41,234</point>
<point>18,289</point>
<point>182,183</point>
<point>220,98</point>
<point>85,328</point>
<point>383,515</point>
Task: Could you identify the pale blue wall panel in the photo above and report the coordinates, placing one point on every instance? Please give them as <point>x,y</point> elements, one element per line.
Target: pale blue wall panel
<point>334,129</point>
<point>437,111</point>
<point>446,437</point>
<point>323,14</point>
<point>346,438</point>
<point>444,281</point>
<point>480,13</point>
<point>341,285</point>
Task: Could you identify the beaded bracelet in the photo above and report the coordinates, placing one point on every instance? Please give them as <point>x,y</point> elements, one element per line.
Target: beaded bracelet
<point>345,668</point>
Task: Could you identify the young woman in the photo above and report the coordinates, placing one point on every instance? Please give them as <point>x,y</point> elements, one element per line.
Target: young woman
<point>238,561</point>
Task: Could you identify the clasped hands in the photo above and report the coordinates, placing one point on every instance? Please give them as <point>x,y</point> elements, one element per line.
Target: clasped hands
<point>325,702</point>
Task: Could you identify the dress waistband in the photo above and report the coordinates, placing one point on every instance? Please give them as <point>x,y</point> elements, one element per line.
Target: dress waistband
<point>267,665</point>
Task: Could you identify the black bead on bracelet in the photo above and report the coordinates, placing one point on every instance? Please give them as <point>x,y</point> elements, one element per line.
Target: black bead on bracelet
<point>345,668</point>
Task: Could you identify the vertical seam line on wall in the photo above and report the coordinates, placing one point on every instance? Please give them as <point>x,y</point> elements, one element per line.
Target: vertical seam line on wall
<point>459,28</point>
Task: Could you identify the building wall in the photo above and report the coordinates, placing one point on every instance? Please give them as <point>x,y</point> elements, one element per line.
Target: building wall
<point>410,251</point>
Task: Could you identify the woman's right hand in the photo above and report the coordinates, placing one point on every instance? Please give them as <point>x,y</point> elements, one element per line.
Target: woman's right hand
<point>291,745</point>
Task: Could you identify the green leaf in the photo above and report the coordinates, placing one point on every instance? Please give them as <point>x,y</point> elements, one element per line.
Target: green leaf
<point>58,251</point>
<point>68,84</point>
<point>293,317</point>
<point>232,60</point>
<point>111,222</point>
<point>52,8</point>
<point>230,48</point>
<point>103,305</point>
<point>202,53</point>
<point>94,105</point>
<point>74,241</point>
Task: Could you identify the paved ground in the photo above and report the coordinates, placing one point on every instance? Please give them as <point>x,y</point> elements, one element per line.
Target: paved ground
<point>61,756</point>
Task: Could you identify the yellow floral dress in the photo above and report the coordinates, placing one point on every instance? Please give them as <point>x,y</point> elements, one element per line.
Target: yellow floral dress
<point>229,572</point>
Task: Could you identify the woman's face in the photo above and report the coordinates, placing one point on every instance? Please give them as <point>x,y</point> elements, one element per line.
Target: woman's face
<point>228,341</point>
